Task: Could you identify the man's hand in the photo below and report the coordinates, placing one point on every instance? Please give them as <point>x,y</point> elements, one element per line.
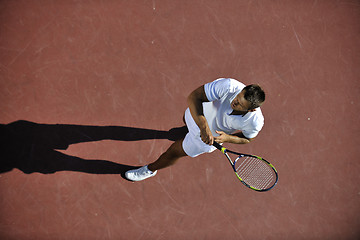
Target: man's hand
<point>206,136</point>
<point>222,138</point>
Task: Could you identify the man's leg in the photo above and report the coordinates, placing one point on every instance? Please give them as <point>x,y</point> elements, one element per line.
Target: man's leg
<point>168,158</point>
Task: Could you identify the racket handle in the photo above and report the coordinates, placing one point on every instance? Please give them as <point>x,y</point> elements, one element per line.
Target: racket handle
<point>218,146</point>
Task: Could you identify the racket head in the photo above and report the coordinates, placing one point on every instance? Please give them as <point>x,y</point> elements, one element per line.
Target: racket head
<point>255,172</point>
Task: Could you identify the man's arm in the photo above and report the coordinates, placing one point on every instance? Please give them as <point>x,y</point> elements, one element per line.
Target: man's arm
<point>237,138</point>
<point>195,100</point>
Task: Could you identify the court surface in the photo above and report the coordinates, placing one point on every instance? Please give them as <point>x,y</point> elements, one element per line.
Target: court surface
<point>89,89</point>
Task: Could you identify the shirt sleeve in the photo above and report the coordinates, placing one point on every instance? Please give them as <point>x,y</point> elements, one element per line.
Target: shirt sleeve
<point>217,89</point>
<point>253,129</point>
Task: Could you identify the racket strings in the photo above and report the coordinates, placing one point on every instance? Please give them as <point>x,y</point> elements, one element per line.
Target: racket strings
<point>255,172</point>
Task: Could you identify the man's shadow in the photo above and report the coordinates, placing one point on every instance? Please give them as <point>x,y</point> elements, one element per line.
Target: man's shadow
<point>32,147</point>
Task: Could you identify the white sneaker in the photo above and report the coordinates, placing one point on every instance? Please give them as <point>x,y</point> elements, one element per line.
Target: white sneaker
<point>139,174</point>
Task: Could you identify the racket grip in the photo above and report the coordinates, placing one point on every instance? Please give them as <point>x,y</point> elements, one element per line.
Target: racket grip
<point>218,146</point>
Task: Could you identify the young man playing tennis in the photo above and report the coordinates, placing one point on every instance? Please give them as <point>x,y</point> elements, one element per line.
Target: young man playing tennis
<point>224,110</point>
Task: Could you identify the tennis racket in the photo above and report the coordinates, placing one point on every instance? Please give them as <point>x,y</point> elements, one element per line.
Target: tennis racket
<point>254,172</point>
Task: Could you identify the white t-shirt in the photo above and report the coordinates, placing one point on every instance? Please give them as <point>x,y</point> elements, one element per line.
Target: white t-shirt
<point>221,93</point>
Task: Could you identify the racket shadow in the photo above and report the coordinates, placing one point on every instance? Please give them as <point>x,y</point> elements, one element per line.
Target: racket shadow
<point>32,147</point>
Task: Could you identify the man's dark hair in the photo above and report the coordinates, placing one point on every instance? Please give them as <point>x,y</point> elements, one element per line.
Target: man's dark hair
<point>255,95</point>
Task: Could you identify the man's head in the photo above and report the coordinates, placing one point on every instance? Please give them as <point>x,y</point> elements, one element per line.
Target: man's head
<point>251,97</point>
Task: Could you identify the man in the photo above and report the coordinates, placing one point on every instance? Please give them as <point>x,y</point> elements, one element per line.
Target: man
<point>224,110</point>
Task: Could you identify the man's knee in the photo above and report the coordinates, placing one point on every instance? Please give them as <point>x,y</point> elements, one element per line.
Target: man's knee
<point>176,149</point>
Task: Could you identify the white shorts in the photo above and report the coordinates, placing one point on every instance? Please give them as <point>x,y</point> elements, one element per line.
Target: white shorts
<point>192,144</point>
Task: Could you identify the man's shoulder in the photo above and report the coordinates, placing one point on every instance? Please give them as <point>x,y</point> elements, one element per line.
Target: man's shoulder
<point>234,85</point>
<point>222,87</point>
<point>257,117</point>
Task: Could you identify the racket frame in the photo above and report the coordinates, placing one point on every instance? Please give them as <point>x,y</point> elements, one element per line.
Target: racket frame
<point>240,155</point>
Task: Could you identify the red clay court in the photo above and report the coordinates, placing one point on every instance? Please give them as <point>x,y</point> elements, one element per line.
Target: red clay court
<point>92,88</point>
